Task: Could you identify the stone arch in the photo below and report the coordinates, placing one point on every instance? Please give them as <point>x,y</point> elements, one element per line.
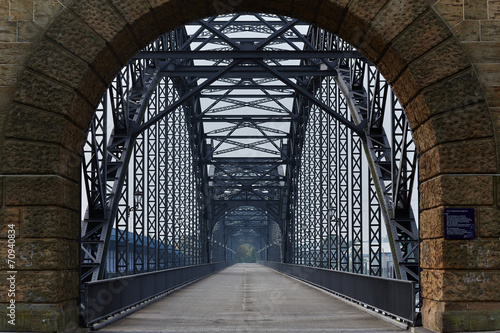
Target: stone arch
<point>80,46</point>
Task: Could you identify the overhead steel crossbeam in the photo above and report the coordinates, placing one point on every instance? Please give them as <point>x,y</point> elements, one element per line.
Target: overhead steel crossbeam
<point>253,53</point>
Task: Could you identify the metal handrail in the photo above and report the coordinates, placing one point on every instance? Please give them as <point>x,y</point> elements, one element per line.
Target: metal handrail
<point>105,298</point>
<point>391,296</point>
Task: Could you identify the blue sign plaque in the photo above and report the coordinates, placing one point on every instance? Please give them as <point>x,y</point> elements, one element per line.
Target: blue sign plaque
<point>459,223</point>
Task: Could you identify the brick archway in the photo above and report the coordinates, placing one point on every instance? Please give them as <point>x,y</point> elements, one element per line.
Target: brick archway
<point>73,51</point>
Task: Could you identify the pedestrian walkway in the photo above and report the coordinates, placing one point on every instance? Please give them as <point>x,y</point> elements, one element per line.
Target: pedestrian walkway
<point>250,298</point>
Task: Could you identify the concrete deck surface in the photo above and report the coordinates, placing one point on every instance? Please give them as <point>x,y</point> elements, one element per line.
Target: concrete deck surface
<point>250,298</point>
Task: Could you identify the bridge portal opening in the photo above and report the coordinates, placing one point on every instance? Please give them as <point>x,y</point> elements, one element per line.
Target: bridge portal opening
<point>249,129</point>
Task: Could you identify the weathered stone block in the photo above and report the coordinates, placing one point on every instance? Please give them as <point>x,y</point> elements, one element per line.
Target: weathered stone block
<point>495,117</point>
<point>108,64</point>
<point>37,125</point>
<point>461,286</point>
<point>475,254</point>
<point>458,91</point>
<point>456,190</point>
<point>452,11</point>
<point>29,31</point>
<point>442,61</point>
<point>468,30</point>
<point>45,11</point>
<point>44,254</point>
<point>431,282</point>
<point>418,113</point>
<point>483,52</point>
<point>50,222</point>
<point>53,61</point>
<point>60,317</point>
<point>239,6</point>
<point>360,13</point>
<point>395,17</point>
<point>460,316</point>
<point>494,9</point>
<point>92,88</point>
<point>24,157</point>
<point>156,3</point>
<point>33,124</point>
<point>10,216</point>
<point>431,223</point>
<point>14,53</point>
<point>490,31</point>
<point>123,46</point>
<point>476,9</point>
<point>100,16</point>
<point>10,73</point>
<point>423,35</point>
<point>330,14</point>
<point>139,16</point>
<point>455,321</point>
<point>73,138</point>
<point>406,87</point>
<point>488,220</point>
<point>21,10</point>
<point>145,30</point>
<point>484,320</point>
<point>44,93</point>
<point>42,286</point>
<point>432,315</point>
<point>2,191</point>
<point>8,32</point>
<point>476,156</point>
<point>453,126</point>
<point>6,94</point>
<point>131,10</point>
<point>4,11</point>
<point>42,191</point>
<point>488,74</point>
<point>492,94</point>
<point>75,36</point>
<point>169,17</point>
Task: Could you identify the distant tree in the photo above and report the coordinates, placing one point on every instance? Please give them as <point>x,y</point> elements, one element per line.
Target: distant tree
<point>246,253</point>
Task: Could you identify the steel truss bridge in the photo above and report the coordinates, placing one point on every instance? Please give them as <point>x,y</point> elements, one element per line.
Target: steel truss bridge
<point>249,129</point>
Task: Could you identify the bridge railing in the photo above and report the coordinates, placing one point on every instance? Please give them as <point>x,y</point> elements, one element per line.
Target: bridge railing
<point>108,297</point>
<point>390,296</point>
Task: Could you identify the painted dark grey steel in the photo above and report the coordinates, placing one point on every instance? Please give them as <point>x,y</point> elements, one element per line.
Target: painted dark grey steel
<point>395,297</point>
<point>107,297</point>
<point>248,54</point>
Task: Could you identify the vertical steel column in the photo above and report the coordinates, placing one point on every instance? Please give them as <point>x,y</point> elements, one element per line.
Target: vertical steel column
<point>152,189</point>
<point>122,231</point>
<point>162,185</point>
<point>138,186</point>
<point>357,204</point>
<point>334,102</point>
<point>374,233</point>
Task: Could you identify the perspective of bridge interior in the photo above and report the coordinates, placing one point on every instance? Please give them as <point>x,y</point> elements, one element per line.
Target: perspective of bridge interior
<point>257,132</point>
